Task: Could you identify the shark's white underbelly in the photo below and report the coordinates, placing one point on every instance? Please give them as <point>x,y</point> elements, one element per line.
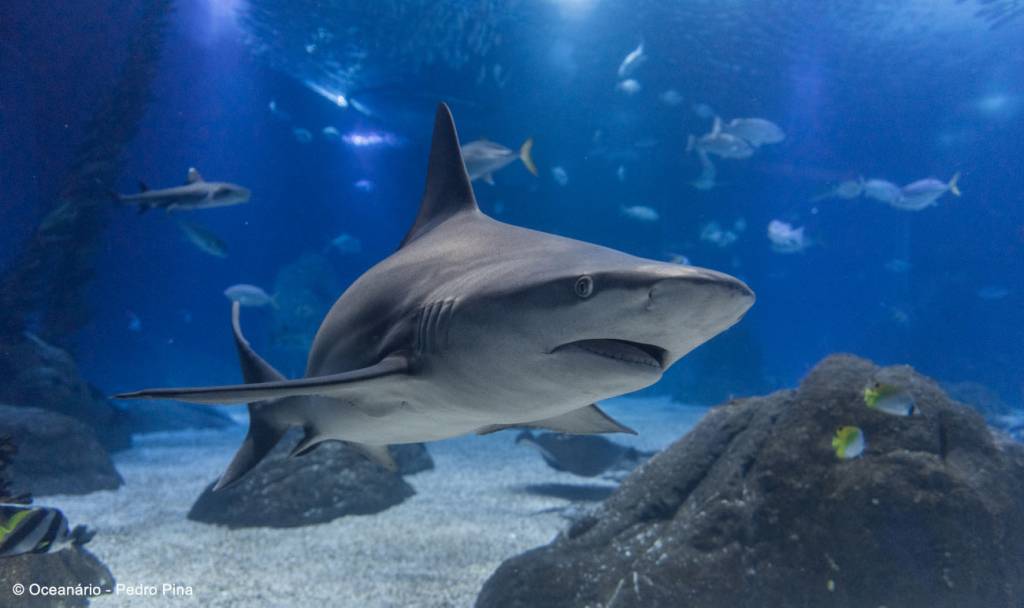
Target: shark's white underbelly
<point>416,411</point>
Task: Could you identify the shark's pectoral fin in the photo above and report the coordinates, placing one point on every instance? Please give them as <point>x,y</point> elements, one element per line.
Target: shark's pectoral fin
<point>377,453</point>
<point>489,178</point>
<point>589,420</point>
<point>331,385</point>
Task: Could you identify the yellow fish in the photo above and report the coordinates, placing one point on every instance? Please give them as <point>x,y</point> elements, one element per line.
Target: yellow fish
<point>848,442</point>
<point>889,398</point>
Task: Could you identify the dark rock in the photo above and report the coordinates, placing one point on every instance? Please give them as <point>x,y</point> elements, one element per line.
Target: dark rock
<point>411,458</point>
<point>752,508</point>
<point>150,417</point>
<point>36,374</point>
<point>8,449</point>
<point>69,567</point>
<point>56,454</point>
<point>331,481</point>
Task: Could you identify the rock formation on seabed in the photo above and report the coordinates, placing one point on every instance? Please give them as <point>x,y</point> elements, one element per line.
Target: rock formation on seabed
<point>753,508</point>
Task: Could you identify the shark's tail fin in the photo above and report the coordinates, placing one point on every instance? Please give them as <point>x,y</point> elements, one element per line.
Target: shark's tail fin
<point>264,430</point>
<point>525,151</point>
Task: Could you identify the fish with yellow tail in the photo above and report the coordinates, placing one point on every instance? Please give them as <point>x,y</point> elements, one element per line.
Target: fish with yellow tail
<point>848,442</point>
<point>889,398</point>
<point>484,157</point>
<point>925,192</point>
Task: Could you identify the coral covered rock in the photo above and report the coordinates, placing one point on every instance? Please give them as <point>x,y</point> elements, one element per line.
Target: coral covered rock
<point>56,454</point>
<point>331,481</point>
<point>71,569</point>
<point>753,508</point>
<point>36,374</point>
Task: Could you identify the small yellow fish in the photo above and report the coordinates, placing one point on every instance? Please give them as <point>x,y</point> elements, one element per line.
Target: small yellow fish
<point>848,442</point>
<point>889,398</point>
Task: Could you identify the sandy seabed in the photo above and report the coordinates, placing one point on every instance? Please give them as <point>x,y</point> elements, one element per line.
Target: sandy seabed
<point>473,511</point>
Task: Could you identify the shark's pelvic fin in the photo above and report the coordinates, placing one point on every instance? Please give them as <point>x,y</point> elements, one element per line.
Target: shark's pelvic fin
<point>309,441</point>
<point>376,453</point>
<point>264,431</point>
<point>589,420</point>
<point>448,190</point>
<point>331,385</point>
<point>193,176</point>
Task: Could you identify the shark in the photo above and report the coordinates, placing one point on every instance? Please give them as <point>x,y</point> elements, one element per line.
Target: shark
<point>475,326</point>
<point>197,193</point>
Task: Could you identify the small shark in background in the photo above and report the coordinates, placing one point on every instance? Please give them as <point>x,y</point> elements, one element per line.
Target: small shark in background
<point>475,326</point>
<point>197,193</point>
<point>484,157</point>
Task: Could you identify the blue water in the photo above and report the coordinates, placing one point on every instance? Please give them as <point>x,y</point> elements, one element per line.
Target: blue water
<point>896,90</point>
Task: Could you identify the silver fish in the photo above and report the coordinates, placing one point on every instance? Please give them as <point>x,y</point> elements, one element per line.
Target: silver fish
<point>882,190</point>
<point>926,192</point>
<point>633,60</point>
<point>204,240</point>
<point>484,157</point>
<point>755,131</point>
<point>249,295</point>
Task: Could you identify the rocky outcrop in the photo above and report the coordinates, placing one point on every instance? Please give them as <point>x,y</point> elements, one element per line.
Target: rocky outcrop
<point>411,458</point>
<point>332,481</point>
<point>753,508</point>
<point>56,454</point>
<point>36,374</point>
<point>73,568</point>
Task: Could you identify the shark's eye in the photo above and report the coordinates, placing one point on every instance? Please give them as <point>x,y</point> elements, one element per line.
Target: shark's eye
<point>584,286</point>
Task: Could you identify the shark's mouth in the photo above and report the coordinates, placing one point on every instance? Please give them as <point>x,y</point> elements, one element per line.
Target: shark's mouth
<point>636,353</point>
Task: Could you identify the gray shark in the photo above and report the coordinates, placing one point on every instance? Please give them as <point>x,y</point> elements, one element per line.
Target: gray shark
<point>197,193</point>
<point>474,326</point>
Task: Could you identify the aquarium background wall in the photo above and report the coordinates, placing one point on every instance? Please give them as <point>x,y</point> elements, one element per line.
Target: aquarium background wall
<point>324,110</point>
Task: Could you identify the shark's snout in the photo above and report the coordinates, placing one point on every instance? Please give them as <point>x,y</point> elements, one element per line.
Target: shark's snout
<point>695,305</point>
<point>699,286</point>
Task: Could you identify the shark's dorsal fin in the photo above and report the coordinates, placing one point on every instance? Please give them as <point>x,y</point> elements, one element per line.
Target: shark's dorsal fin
<point>448,190</point>
<point>193,176</point>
